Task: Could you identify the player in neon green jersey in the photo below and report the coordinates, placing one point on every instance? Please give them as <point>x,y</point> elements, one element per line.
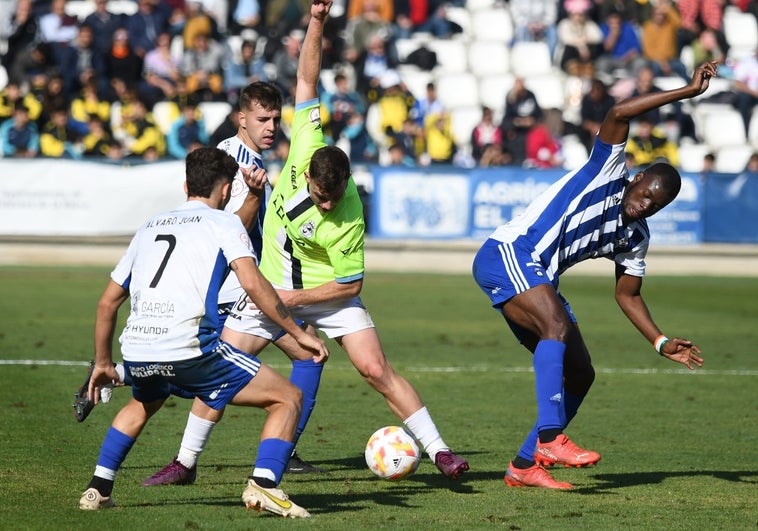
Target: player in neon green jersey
<point>313,255</point>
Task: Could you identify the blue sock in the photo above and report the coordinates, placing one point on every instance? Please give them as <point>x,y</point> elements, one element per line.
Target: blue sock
<point>526,451</point>
<point>306,375</point>
<point>548,376</point>
<point>273,455</point>
<point>116,446</point>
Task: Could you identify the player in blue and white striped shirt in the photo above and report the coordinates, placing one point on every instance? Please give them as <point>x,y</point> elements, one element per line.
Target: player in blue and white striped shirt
<point>598,210</point>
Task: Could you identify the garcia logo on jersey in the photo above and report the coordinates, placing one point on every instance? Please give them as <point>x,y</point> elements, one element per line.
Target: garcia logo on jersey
<point>307,229</point>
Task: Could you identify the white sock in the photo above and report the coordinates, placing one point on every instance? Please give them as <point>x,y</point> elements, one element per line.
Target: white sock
<point>424,430</point>
<point>196,434</point>
<point>105,473</point>
<point>121,373</point>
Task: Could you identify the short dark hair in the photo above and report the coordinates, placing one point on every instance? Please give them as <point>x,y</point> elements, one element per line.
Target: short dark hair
<point>329,168</point>
<point>669,177</point>
<point>205,167</point>
<point>268,95</point>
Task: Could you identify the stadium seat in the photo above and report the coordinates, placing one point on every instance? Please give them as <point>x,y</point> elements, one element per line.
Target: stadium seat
<point>724,128</point>
<point>752,133</point>
<point>476,5</point>
<point>234,43</point>
<point>691,156</point>
<point>549,89</point>
<point>457,90</point>
<point>79,8</point>
<point>492,91</point>
<point>703,109</point>
<point>463,120</point>
<point>732,159</point>
<point>451,55</point>
<point>415,79</point>
<point>214,113</point>
<point>164,114</point>
<point>3,77</point>
<point>493,24</point>
<point>122,7</point>
<point>461,16</point>
<point>574,152</point>
<point>488,57</point>
<point>741,30</point>
<point>405,46</point>
<point>530,59</point>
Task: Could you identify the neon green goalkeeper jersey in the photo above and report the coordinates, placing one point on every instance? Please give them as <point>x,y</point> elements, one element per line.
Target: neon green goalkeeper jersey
<point>303,247</point>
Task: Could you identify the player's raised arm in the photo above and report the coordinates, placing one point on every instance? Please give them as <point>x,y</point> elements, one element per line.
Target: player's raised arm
<point>615,126</point>
<point>309,63</point>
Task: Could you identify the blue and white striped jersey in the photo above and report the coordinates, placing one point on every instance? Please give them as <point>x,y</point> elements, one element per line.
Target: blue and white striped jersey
<point>245,157</point>
<point>579,217</point>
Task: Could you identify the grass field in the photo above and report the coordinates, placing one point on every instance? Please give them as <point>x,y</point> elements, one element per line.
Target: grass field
<point>680,450</point>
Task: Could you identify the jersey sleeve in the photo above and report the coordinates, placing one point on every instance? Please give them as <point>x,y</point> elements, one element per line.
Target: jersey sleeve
<point>633,260</point>
<point>346,254</point>
<point>122,273</point>
<point>307,136</point>
<point>235,241</point>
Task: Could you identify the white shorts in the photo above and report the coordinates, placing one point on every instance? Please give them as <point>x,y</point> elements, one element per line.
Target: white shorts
<point>334,318</point>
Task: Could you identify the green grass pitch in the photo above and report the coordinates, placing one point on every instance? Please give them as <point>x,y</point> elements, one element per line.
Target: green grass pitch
<point>680,449</point>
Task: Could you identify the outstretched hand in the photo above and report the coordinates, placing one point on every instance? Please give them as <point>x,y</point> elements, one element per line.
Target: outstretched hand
<point>702,75</point>
<point>683,351</point>
<point>320,9</point>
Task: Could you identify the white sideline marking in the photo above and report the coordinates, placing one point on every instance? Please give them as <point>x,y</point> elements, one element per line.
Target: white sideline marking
<point>472,368</point>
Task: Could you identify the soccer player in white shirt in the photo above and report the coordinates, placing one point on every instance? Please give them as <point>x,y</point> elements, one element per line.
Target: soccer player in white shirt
<point>598,210</point>
<point>259,116</point>
<point>172,272</point>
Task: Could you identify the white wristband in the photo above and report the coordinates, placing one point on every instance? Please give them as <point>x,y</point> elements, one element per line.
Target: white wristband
<point>659,342</point>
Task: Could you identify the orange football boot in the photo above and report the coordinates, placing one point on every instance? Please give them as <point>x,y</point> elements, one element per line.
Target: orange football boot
<point>534,476</point>
<point>562,451</point>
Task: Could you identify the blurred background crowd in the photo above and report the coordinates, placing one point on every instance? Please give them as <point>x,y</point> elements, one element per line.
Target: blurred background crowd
<point>468,83</point>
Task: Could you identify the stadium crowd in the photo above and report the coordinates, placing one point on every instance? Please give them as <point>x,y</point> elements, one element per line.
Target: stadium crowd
<point>139,79</point>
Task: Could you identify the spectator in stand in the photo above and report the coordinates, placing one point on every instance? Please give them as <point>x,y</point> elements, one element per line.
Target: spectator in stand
<point>240,72</point>
<point>399,157</point>
<point>709,165</point>
<point>342,103</point>
<point>228,128</point>
<point>363,150</point>
<point>203,68</point>
<point>57,28</point>
<point>160,71</point>
<point>88,103</point>
<point>705,47</point>
<point>371,20</point>
<point>120,63</point>
<point>427,105</point>
<point>698,16</point>
<point>621,55</point>
<point>144,26</point>
<point>595,105</point>
<point>371,65</point>
<point>196,22</point>
<point>745,85</point>
<point>19,136</point>
<point>493,156</point>
<point>98,142</point>
<point>33,66</point>
<point>410,138</point>
<point>58,139</point>
<point>246,16</point>
<point>187,133</point>
<point>659,41</point>
<point>543,142</point>
<point>632,11</point>
<point>52,97</point>
<point>394,104</point>
<point>23,30</point>
<point>438,132</point>
<point>522,112</point>
<point>285,64</point>
<point>142,138</point>
<point>649,144</point>
<point>581,39</point>
<point>752,164</point>
<point>535,21</point>
<point>484,134</point>
<point>79,61</point>
<point>103,24</point>
<point>283,16</point>
<point>11,95</point>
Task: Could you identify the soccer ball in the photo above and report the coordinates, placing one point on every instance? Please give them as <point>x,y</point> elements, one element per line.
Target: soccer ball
<point>392,453</point>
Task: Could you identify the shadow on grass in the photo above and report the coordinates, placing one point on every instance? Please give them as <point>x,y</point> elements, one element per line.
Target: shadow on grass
<point>610,482</point>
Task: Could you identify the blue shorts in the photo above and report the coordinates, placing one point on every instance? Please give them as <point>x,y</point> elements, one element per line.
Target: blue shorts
<point>215,377</point>
<point>504,270</point>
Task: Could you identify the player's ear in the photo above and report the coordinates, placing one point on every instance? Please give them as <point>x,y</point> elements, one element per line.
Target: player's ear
<point>186,190</point>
